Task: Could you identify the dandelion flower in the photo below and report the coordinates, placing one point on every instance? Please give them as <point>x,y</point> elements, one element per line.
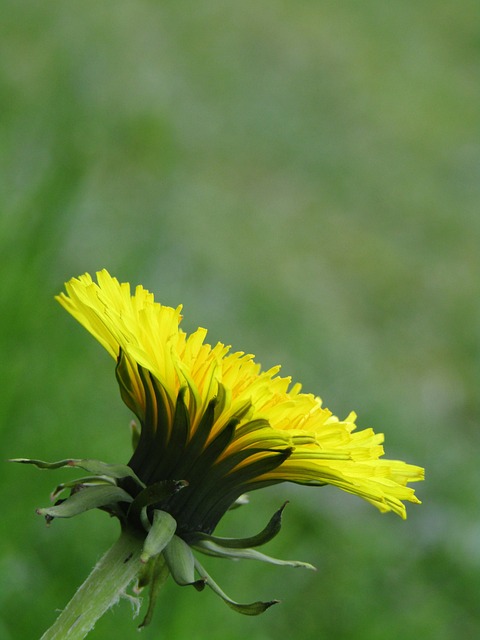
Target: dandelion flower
<point>210,427</point>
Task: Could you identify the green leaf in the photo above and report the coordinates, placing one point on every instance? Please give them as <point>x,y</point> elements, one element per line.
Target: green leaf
<point>86,499</point>
<point>159,535</point>
<point>180,561</point>
<point>252,609</point>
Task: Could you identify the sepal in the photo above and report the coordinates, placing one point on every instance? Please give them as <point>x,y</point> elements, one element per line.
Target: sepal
<point>145,575</point>
<point>96,467</point>
<point>252,609</point>
<point>159,535</point>
<point>180,561</point>
<point>158,573</point>
<point>268,533</point>
<point>211,549</point>
<point>151,495</point>
<point>100,496</point>
<point>81,483</point>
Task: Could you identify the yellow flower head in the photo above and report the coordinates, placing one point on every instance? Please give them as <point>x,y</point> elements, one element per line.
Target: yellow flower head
<point>212,426</point>
<point>214,420</point>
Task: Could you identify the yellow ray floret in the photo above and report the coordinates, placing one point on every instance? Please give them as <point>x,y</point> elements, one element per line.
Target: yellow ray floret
<point>271,415</point>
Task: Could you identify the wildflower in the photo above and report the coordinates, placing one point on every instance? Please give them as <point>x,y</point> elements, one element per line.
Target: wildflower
<point>212,426</point>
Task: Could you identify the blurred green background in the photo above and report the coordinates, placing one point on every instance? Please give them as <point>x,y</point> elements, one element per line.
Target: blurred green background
<point>304,177</point>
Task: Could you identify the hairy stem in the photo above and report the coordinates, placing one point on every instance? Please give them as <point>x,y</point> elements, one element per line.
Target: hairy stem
<point>102,589</point>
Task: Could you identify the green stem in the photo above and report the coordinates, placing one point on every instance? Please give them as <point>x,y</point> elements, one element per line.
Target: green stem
<point>102,589</point>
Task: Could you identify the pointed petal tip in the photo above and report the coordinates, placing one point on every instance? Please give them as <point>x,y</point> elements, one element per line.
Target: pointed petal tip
<point>48,517</point>
<point>270,603</point>
<point>307,565</point>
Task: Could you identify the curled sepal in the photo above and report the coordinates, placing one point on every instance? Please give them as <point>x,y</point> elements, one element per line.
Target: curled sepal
<point>80,483</point>
<point>158,573</point>
<point>96,467</point>
<point>159,535</point>
<point>116,471</point>
<point>268,533</point>
<point>86,499</point>
<point>180,561</point>
<point>252,609</point>
<point>41,464</point>
<point>211,549</point>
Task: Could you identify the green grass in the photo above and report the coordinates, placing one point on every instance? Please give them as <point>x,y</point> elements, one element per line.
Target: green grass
<point>304,178</point>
